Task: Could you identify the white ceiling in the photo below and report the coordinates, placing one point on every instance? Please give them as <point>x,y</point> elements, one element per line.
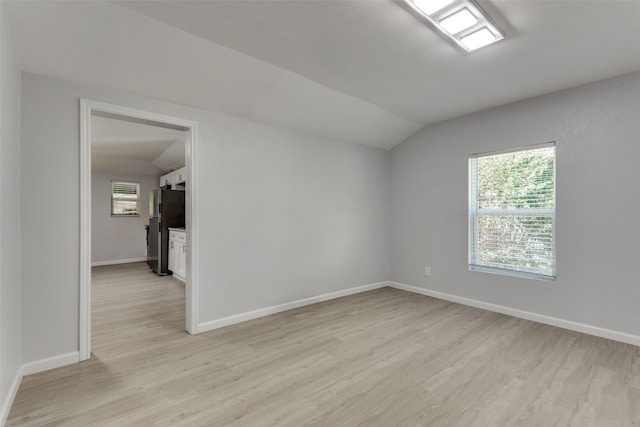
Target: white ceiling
<point>128,147</point>
<point>369,72</point>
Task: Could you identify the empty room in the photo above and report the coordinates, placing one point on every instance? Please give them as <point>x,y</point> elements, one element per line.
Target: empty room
<point>319,213</point>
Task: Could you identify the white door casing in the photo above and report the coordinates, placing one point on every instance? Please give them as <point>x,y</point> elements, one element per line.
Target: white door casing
<point>87,107</point>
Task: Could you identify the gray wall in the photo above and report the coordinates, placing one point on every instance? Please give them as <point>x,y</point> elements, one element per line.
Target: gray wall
<point>118,238</point>
<point>286,215</point>
<point>597,130</point>
<point>9,212</point>
<point>283,215</point>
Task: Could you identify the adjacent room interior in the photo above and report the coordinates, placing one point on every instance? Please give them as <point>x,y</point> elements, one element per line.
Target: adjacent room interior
<point>138,227</point>
<point>410,213</point>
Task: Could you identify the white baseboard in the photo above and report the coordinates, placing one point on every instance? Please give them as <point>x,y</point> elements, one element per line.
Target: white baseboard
<point>8,401</point>
<point>117,261</point>
<point>540,318</point>
<point>250,315</point>
<point>50,363</point>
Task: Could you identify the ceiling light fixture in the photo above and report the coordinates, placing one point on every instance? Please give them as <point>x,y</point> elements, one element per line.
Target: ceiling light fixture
<point>479,39</point>
<point>462,21</point>
<point>458,21</point>
<point>431,6</point>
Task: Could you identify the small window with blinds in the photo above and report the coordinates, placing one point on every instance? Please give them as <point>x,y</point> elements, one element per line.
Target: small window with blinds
<point>512,212</point>
<point>125,198</point>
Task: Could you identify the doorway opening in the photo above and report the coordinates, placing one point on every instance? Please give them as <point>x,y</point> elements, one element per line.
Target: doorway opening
<point>97,116</point>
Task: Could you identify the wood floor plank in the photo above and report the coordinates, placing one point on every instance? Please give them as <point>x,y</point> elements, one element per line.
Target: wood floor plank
<point>381,358</point>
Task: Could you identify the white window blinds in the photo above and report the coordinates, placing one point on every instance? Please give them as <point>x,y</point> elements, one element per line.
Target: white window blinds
<point>512,212</point>
<point>124,198</point>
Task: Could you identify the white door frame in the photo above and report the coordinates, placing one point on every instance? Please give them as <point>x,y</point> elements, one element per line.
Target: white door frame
<point>87,107</point>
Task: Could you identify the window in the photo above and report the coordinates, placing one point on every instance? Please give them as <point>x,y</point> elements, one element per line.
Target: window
<point>125,198</point>
<point>512,212</point>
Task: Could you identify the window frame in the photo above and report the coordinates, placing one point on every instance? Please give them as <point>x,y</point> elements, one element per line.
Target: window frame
<point>115,199</point>
<point>474,214</point>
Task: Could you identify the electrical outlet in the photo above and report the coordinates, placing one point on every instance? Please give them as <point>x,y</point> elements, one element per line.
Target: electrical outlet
<point>427,271</point>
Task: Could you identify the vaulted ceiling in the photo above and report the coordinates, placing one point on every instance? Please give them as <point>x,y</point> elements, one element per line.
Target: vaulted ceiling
<point>124,146</point>
<point>368,72</point>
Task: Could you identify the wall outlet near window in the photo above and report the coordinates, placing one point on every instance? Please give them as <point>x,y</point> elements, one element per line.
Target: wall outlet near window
<point>427,271</point>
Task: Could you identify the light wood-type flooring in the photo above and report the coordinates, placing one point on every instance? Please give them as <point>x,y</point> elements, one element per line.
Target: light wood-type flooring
<point>381,358</point>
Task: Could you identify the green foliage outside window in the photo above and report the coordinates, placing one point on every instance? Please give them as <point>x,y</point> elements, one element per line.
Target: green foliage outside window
<point>514,210</point>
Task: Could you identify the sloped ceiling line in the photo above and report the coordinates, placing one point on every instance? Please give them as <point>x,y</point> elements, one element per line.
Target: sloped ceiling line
<point>366,72</point>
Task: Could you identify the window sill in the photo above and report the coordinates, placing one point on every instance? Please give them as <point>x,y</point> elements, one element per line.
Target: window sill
<point>512,273</point>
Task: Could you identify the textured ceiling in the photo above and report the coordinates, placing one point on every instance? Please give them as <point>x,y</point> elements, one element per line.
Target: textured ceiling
<point>369,72</point>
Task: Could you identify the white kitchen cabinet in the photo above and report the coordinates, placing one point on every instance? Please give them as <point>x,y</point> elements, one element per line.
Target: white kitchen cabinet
<point>180,176</point>
<point>174,178</point>
<point>171,262</point>
<point>165,180</point>
<point>178,253</point>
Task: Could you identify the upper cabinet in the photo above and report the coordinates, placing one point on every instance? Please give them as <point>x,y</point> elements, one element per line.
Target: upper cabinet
<point>166,180</point>
<point>176,179</point>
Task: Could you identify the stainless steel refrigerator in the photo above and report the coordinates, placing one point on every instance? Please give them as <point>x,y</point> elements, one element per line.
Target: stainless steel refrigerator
<point>166,209</point>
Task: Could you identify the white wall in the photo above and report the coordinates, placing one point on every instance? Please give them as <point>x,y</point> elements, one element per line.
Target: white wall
<point>597,130</point>
<point>9,215</point>
<point>118,238</point>
<point>283,215</point>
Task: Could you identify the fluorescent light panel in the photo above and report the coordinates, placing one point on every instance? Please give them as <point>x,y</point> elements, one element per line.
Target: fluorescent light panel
<point>431,6</point>
<point>480,38</point>
<point>458,21</point>
<point>461,20</point>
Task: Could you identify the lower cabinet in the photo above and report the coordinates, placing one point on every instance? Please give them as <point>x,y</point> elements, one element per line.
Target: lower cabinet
<point>178,253</point>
